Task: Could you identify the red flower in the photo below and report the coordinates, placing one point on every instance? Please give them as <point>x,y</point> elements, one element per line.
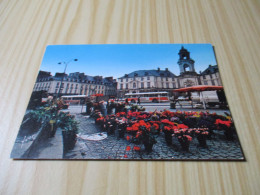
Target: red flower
<point>167,128</point>
<point>175,128</point>
<point>127,138</point>
<point>128,148</point>
<point>125,156</point>
<point>129,128</point>
<point>120,114</point>
<point>176,131</point>
<point>135,127</point>
<point>188,137</point>
<point>146,125</point>
<point>101,118</point>
<point>165,121</point>
<point>137,148</point>
<point>138,134</point>
<point>156,126</point>
<point>219,121</point>
<point>182,126</point>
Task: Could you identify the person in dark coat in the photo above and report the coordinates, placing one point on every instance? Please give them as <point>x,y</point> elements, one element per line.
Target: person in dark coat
<point>139,102</point>
<point>89,105</point>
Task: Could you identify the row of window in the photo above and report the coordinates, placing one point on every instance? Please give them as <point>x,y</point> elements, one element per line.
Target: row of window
<point>212,82</point>
<point>147,78</point>
<point>210,75</point>
<point>40,85</point>
<point>148,85</point>
<point>41,88</point>
<point>73,80</point>
<point>75,91</point>
<point>127,79</point>
<point>82,92</point>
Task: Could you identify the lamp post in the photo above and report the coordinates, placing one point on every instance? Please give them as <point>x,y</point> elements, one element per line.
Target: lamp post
<point>66,64</point>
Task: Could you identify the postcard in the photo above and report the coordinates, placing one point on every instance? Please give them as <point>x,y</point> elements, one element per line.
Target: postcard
<point>128,102</point>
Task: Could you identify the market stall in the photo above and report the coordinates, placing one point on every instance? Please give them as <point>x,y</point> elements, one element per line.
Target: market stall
<point>200,89</point>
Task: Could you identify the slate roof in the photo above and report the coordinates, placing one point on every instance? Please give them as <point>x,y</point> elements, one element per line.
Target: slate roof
<point>142,73</point>
<point>78,77</point>
<point>210,70</point>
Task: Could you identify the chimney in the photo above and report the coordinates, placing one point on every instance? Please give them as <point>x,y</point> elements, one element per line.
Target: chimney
<point>166,69</point>
<point>158,69</point>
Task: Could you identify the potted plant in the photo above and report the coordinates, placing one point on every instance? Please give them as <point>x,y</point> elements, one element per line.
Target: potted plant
<point>69,130</point>
<point>168,135</point>
<point>184,138</point>
<point>146,136</point>
<point>227,126</point>
<point>148,139</point>
<point>201,134</point>
<point>121,128</point>
<point>48,117</point>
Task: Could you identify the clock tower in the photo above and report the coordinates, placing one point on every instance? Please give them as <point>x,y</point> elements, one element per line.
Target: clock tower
<point>186,64</point>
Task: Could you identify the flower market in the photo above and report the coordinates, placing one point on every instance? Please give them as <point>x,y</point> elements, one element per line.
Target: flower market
<point>120,130</point>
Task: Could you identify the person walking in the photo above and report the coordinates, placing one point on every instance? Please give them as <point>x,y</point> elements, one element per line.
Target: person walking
<point>103,108</point>
<point>138,101</point>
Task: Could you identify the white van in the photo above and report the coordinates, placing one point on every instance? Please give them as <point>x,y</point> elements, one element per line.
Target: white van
<point>210,97</point>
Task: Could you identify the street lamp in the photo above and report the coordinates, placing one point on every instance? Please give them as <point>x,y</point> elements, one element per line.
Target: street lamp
<point>66,64</point>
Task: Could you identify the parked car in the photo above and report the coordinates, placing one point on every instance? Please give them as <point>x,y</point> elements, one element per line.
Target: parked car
<point>182,98</point>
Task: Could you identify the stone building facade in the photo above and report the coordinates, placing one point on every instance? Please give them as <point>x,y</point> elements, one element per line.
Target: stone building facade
<point>146,81</point>
<point>164,80</point>
<point>74,84</point>
<point>211,76</point>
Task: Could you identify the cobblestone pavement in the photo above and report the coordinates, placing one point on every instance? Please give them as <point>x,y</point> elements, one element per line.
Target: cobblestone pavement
<point>112,148</point>
<point>76,109</point>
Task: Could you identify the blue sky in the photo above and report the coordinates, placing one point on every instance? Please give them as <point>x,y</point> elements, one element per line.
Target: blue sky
<point>119,59</point>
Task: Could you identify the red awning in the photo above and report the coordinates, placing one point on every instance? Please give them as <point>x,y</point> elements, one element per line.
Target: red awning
<point>98,94</point>
<point>199,88</point>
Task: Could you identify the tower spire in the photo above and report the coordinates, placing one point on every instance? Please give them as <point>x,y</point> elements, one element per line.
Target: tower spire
<point>186,64</point>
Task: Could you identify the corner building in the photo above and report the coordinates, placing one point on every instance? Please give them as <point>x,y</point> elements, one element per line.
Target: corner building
<point>74,84</point>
